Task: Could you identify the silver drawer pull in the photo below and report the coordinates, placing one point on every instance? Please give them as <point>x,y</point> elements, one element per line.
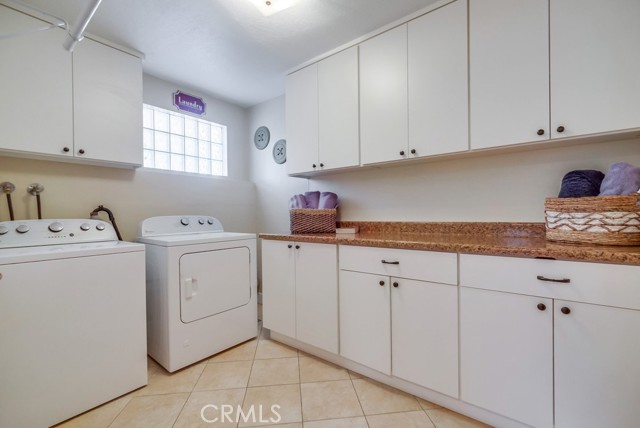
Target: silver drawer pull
<point>389,263</point>
<point>563,280</point>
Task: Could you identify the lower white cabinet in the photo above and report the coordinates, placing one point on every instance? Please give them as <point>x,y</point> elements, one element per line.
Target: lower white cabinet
<point>300,291</point>
<point>424,334</point>
<point>365,320</point>
<point>506,354</point>
<point>405,328</point>
<point>531,352</point>
<point>597,370</point>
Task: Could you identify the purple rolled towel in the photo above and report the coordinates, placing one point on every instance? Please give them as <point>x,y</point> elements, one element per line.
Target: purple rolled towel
<point>313,198</point>
<point>297,201</point>
<point>328,200</point>
<point>581,183</point>
<point>621,179</point>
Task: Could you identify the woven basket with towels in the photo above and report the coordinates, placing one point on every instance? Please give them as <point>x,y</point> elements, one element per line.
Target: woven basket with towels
<point>606,220</point>
<point>313,212</point>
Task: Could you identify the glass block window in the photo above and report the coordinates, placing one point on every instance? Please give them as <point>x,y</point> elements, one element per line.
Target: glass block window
<point>177,142</point>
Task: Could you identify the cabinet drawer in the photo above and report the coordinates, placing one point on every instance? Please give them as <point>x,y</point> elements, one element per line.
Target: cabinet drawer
<point>413,264</point>
<point>598,283</point>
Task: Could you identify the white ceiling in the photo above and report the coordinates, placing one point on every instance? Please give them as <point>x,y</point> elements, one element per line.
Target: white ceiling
<point>226,47</point>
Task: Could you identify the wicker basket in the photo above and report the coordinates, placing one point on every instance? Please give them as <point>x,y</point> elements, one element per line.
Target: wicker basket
<point>606,220</point>
<point>305,220</point>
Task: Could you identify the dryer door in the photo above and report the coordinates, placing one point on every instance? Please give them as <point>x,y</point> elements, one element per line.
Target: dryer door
<point>212,282</point>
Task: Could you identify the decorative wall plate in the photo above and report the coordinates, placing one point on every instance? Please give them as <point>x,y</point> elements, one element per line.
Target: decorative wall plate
<point>261,137</point>
<point>280,151</point>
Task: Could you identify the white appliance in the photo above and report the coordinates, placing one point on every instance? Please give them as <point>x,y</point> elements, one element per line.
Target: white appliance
<point>72,319</point>
<point>201,288</point>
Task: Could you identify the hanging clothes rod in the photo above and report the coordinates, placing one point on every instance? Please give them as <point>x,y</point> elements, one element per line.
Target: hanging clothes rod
<point>55,21</point>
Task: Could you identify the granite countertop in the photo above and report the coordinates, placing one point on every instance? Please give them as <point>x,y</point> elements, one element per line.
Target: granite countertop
<point>499,239</point>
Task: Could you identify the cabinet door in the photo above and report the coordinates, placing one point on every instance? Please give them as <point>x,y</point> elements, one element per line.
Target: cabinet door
<point>339,136</point>
<point>302,120</point>
<point>506,355</point>
<point>597,375</point>
<point>509,71</point>
<point>438,81</point>
<point>35,71</point>
<point>595,64</point>
<point>279,287</point>
<point>317,295</point>
<point>424,320</point>
<point>107,104</point>
<point>383,97</point>
<point>365,322</point>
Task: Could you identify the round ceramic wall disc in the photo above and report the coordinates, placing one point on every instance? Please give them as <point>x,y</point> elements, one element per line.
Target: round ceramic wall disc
<point>261,137</point>
<point>280,151</point>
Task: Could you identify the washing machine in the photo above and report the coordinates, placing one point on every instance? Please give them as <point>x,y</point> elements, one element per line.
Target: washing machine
<point>72,319</point>
<point>201,288</point>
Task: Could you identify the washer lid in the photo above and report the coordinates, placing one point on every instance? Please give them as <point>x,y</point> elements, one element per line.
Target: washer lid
<point>66,251</point>
<point>194,238</point>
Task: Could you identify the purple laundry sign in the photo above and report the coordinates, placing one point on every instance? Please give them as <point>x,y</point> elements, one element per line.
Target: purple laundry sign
<point>186,102</point>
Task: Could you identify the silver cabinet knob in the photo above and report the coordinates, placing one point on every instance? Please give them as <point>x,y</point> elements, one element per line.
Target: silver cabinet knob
<point>184,221</point>
<point>3,230</point>
<point>85,226</point>
<point>100,226</point>
<point>56,227</point>
<point>23,228</point>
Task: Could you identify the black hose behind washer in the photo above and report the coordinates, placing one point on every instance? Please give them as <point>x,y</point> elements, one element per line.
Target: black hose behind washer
<point>112,219</point>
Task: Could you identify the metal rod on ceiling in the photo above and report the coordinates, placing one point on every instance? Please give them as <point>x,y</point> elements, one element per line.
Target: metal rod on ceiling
<point>77,32</point>
<point>55,21</point>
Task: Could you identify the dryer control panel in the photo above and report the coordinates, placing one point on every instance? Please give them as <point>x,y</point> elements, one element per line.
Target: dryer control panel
<point>179,224</point>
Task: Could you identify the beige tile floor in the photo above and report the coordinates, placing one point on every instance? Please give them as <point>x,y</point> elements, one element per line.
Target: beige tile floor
<point>311,393</point>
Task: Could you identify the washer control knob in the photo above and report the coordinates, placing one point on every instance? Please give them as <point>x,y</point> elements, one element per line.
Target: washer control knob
<point>3,230</point>
<point>23,228</point>
<point>85,226</point>
<point>184,221</point>
<point>100,226</point>
<point>201,221</point>
<point>210,221</point>
<point>56,227</point>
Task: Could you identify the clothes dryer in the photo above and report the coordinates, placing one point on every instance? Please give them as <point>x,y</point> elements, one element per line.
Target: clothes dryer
<point>201,288</point>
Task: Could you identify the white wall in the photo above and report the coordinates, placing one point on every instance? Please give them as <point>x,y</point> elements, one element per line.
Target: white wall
<point>491,187</point>
<point>73,190</point>
<point>499,187</point>
<point>273,185</point>
<point>159,93</point>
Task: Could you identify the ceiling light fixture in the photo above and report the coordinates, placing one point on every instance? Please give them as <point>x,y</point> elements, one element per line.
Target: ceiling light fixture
<point>269,7</point>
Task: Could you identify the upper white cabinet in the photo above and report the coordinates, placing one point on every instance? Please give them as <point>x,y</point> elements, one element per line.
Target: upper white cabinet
<point>383,97</point>
<point>414,88</point>
<point>322,114</point>
<point>438,81</point>
<point>85,105</point>
<point>545,69</point>
<point>107,104</point>
<point>595,66</point>
<point>509,72</point>
<point>301,107</point>
<point>339,132</point>
<point>35,71</point>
